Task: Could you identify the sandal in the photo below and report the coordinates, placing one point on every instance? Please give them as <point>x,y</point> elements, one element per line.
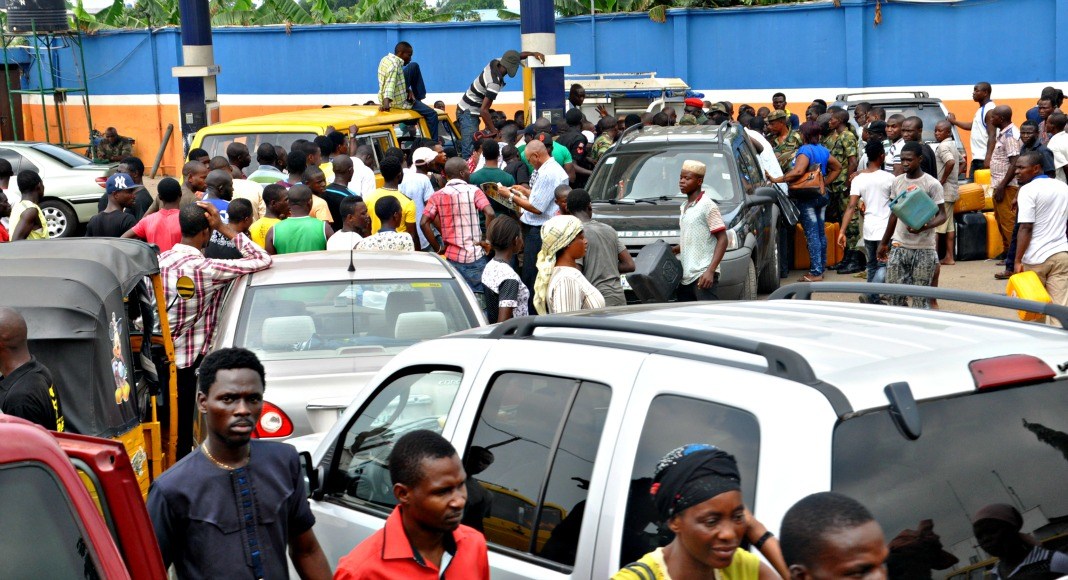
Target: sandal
<point>807,278</point>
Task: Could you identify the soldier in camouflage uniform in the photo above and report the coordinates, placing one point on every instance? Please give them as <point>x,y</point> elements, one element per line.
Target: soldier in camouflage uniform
<point>842,143</point>
<point>607,138</point>
<point>784,140</point>
<point>114,147</point>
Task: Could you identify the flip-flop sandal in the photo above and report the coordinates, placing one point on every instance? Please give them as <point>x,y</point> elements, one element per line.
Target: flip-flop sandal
<point>805,278</point>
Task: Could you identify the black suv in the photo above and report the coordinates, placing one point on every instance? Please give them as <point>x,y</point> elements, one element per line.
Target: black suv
<point>635,189</point>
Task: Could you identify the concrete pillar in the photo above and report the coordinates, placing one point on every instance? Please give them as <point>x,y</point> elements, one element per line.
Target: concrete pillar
<point>538,27</point>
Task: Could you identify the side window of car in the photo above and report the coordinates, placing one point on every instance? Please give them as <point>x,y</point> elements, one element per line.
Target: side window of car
<point>49,542</point>
<point>750,172</point>
<point>674,421</point>
<point>358,466</point>
<point>14,159</point>
<point>447,137</point>
<point>529,463</point>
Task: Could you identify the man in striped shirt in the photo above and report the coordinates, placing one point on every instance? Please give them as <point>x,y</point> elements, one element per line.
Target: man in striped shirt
<point>394,72</point>
<point>476,102</point>
<point>193,317</point>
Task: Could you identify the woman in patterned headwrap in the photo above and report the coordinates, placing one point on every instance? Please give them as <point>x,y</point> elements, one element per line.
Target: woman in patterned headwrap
<point>698,494</point>
<point>560,285</point>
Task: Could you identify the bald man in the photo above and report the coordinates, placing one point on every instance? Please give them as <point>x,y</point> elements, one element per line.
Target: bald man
<point>26,389</point>
<point>194,177</point>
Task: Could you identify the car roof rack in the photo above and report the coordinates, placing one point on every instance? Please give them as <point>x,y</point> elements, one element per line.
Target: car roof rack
<point>883,94</point>
<point>782,362</point>
<point>805,290</point>
<point>633,131</point>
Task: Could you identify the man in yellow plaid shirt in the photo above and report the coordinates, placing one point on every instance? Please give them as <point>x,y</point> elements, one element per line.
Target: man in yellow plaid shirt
<point>400,85</point>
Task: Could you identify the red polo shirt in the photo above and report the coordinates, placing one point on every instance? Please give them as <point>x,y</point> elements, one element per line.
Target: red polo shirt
<point>388,555</point>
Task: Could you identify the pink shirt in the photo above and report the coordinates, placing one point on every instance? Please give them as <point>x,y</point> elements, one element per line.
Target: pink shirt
<point>160,228</point>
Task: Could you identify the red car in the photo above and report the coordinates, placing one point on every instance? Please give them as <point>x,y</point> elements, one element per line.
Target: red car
<point>71,508</point>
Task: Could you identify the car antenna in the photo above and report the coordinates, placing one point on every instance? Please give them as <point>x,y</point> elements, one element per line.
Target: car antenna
<point>352,265</point>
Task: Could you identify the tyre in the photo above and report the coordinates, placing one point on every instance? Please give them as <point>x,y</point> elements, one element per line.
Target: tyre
<point>62,221</point>
<point>749,288</point>
<point>768,281</point>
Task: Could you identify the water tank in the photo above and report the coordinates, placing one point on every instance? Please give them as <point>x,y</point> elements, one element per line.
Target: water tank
<point>40,15</point>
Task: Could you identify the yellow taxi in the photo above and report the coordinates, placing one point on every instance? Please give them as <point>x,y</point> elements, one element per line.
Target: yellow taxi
<point>378,129</point>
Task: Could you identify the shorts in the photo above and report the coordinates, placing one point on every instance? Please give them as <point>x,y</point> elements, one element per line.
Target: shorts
<point>948,226</point>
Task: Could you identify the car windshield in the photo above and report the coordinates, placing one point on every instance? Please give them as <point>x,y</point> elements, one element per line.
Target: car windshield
<point>216,145</point>
<point>1008,447</point>
<point>349,318</point>
<point>68,158</point>
<point>652,175</point>
<point>931,114</point>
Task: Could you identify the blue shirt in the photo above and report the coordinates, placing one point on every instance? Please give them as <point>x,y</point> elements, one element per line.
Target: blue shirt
<point>417,187</point>
<point>543,184</point>
<point>199,511</point>
<point>817,155</point>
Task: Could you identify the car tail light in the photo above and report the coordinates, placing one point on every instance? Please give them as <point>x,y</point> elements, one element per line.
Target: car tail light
<point>273,423</point>
<point>1012,370</point>
<point>102,182</point>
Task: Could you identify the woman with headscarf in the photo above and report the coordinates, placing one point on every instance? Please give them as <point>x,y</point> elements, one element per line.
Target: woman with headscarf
<point>560,285</point>
<point>697,491</point>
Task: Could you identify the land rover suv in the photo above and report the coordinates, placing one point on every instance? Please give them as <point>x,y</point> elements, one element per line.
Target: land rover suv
<point>634,189</point>
<point>918,414</point>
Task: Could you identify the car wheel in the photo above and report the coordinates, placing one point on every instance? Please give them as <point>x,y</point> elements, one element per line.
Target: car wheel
<point>62,221</point>
<point>768,281</point>
<point>749,288</point>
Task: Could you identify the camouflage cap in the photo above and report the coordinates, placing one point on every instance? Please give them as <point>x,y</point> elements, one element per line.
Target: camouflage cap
<point>776,116</point>
<point>718,108</point>
<point>687,119</point>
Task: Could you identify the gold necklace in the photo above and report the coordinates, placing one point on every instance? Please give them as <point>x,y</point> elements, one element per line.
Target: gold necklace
<point>218,463</point>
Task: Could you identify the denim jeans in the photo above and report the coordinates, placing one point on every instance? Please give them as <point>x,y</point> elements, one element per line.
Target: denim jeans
<point>468,125</point>
<point>876,269</point>
<point>472,272</point>
<point>812,212</point>
<point>1010,252</point>
<point>531,248</point>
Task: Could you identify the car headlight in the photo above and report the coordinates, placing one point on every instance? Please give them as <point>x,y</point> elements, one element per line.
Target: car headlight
<point>734,240</point>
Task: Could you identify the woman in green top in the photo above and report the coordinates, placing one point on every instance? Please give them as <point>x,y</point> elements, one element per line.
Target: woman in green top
<point>697,492</point>
<point>300,232</point>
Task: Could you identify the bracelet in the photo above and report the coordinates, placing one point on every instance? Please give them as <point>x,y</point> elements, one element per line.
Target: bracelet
<point>760,543</point>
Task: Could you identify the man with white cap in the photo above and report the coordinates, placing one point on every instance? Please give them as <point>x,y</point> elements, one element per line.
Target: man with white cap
<point>416,185</point>
<point>702,237</point>
<point>476,102</point>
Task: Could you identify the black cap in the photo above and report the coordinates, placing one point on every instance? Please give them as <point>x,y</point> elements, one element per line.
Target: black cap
<point>573,116</point>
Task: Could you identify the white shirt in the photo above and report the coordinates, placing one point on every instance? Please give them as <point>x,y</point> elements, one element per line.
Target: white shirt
<point>343,240</point>
<point>1044,203</point>
<point>253,192</point>
<point>1058,144</point>
<point>543,184</point>
<point>363,178</point>
<point>979,136</point>
<point>767,155</point>
<point>874,190</point>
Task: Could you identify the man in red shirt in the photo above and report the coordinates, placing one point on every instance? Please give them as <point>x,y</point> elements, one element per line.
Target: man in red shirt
<point>423,537</point>
<point>161,228</point>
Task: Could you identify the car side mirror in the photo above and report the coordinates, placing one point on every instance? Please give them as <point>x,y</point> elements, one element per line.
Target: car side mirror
<point>764,196</point>
<point>312,478</point>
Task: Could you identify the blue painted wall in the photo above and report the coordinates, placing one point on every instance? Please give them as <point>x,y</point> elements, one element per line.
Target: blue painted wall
<point>800,46</point>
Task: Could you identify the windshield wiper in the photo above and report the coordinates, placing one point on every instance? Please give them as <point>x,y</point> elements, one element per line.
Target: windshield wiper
<point>650,200</point>
<point>615,201</point>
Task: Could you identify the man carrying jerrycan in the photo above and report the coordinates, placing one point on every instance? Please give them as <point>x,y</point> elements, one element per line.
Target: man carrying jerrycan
<point>910,247</point>
<point>1042,245</point>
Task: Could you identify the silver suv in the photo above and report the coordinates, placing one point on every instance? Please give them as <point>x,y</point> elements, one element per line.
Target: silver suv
<point>918,414</point>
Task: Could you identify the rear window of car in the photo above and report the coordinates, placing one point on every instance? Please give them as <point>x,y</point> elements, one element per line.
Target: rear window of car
<point>633,176</point>
<point>68,158</point>
<point>1008,446</point>
<point>931,114</point>
<point>216,145</point>
<point>343,318</point>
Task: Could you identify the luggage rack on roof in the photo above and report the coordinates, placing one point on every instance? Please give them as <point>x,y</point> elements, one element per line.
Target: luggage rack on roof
<point>883,94</point>
<point>805,290</point>
<point>782,362</point>
<point>634,131</point>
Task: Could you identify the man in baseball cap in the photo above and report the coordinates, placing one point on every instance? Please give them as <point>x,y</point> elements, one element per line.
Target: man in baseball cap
<point>696,107</point>
<point>476,102</point>
<point>718,114</point>
<point>114,221</point>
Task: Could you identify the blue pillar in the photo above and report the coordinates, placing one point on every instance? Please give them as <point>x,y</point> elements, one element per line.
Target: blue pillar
<point>197,92</point>
<point>538,26</point>
<point>1060,40</point>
